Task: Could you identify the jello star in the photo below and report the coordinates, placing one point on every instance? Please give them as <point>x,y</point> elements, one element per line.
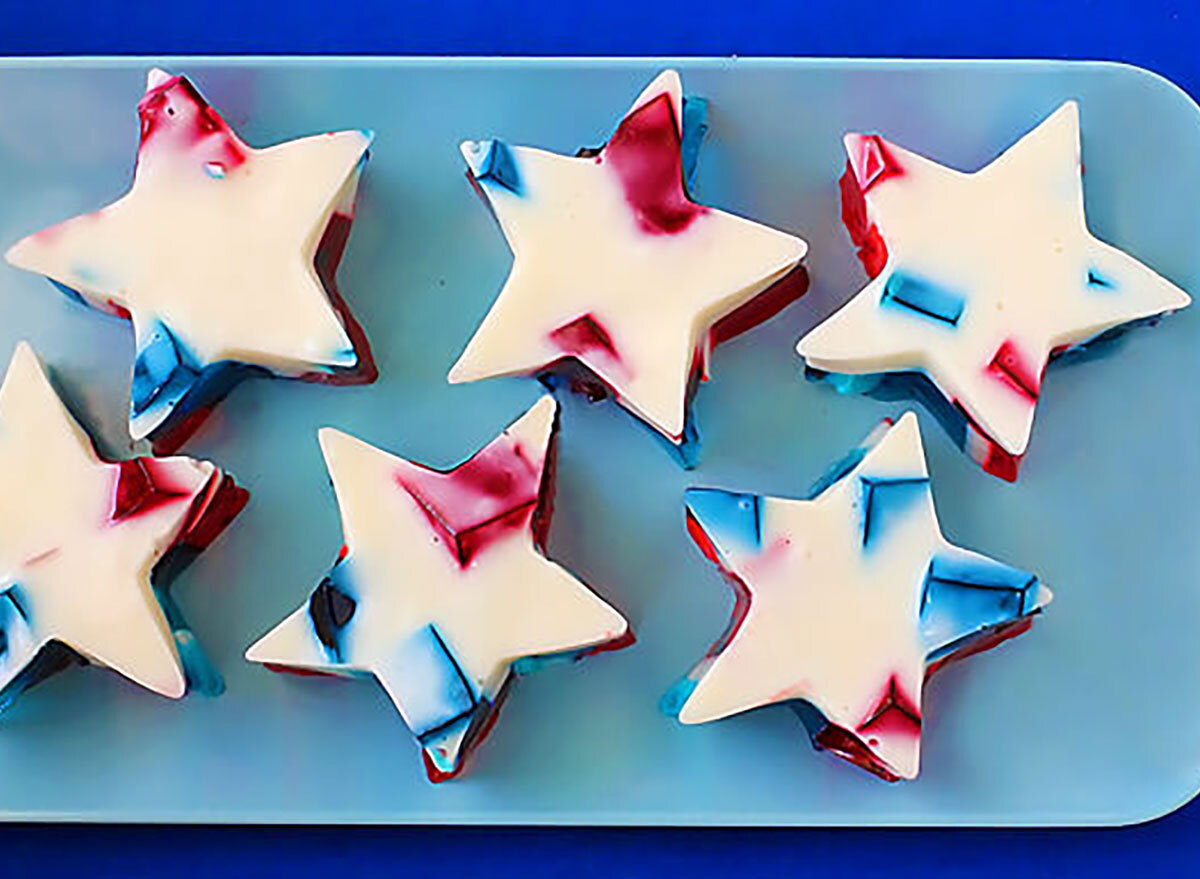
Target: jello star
<point>979,280</point>
<point>847,603</point>
<point>614,265</point>
<point>222,255</point>
<point>442,591</point>
<point>87,547</point>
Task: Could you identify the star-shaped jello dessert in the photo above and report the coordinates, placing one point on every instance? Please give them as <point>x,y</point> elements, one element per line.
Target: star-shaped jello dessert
<point>615,267</point>
<point>978,281</point>
<point>442,591</point>
<point>222,255</point>
<point>88,548</point>
<point>847,602</point>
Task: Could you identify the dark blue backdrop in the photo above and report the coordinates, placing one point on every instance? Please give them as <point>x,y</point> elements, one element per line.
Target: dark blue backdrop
<point>1159,34</point>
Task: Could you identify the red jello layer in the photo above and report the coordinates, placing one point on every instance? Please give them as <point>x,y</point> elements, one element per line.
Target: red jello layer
<point>329,256</point>
<point>872,251</point>
<point>741,602</point>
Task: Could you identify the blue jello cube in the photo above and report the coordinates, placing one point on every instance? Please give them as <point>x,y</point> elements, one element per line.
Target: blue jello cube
<point>429,685</point>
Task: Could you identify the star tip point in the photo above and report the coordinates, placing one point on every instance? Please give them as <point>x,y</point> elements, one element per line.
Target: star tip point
<point>670,78</point>
<point>709,508</point>
<point>799,249</point>
<point>139,430</point>
<point>24,364</point>
<point>474,152</point>
<point>343,354</point>
<point>906,431</point>
<point>17,254</point>
<point>689,715</point>
<point>900,762</point>
<point>546,404</point>
<point>461,372</point>
<point>537,422</point>
<point>176,688</point>
<point>671,424</point>
<point>667,82</point>
<point>1017,449</point>
<point>1066,113</point>
<point>327,436</point>
<point>260,653</point>
<point>156,77</point>
<point>671,427</point>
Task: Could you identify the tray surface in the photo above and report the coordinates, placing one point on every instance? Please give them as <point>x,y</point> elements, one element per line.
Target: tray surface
<point>1093,717</point>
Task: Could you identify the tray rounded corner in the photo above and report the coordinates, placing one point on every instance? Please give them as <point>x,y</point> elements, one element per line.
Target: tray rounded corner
<point>1175,803</point>
<point>1155,81</point>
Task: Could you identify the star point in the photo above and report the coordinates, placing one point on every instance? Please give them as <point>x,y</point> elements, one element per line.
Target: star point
<point>978,281</point>
<point>847,601</point>
<point>443,592</point>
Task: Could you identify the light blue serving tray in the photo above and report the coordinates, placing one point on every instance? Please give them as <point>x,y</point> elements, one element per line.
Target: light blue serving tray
<point>1091,718</point>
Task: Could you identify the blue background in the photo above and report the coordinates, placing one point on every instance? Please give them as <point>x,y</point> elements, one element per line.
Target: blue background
<point>1152,33</point>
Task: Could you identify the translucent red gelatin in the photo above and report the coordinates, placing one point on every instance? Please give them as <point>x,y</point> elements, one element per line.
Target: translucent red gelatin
<point>143,485</point>
<point>1013,369</point>
<point>329,256</point>
<point>871,161</point>
<point>485,499</point>
<point>298,671</point>
<point>212,511</point>
<point>849,747</point>
<point>761,308</point>
<point>741,601</point>
<point>645,154</point>
<point>872,251</point>
<point>585,337</point>
<point>175,116</point>
<point>992,457</point>
<point>895,714</point>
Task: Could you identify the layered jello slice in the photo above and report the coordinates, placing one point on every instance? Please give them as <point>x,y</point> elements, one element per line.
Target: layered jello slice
<point>978,280</point>
<point>442,591</point>
<point>223,257</point>
<point>88,548</point>
<point>847,601</point>
<point>621,283</point>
